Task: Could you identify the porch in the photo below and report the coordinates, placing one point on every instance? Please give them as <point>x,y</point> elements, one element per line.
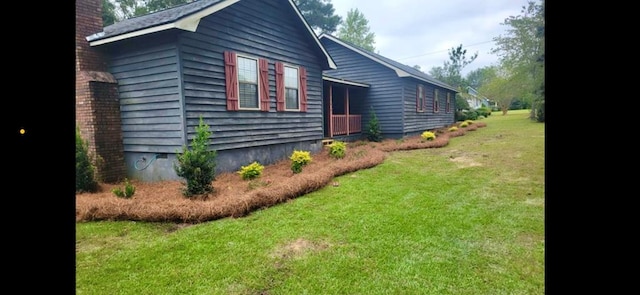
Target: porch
<point>344,106</point>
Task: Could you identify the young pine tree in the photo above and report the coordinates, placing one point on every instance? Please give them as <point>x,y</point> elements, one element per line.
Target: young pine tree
<point>85,170</point>
<point>373,128</point>
<point>198,164</point>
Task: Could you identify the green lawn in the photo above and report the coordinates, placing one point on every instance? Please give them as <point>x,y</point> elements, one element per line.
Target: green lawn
<point>467,218</point>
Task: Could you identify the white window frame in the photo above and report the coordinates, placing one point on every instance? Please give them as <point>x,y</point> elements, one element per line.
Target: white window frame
<point>257,60</point>
<point>284,78</point>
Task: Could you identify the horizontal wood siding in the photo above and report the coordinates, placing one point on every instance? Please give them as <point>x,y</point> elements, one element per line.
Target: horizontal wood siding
<point>418,122</point>
<point>384,94</point>
<point>150,105</point>
<point>260,29</point>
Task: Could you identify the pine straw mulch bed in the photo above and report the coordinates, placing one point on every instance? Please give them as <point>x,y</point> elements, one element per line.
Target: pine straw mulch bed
<point>234,197</point>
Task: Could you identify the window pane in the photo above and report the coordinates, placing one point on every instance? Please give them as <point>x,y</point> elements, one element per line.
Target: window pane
<point>247,70</point>
<point>290,77</point>
<point>292,99</point>
<point>248,95</point>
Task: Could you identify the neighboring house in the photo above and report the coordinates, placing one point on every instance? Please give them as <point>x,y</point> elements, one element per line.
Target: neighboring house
<point>405,100</point>
<point>251,68</point>
<point>475,100</point>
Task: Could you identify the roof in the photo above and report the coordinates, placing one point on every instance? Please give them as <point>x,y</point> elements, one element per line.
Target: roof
<point>185,17</point>
<point>401,70</point>
<point>326,77</point>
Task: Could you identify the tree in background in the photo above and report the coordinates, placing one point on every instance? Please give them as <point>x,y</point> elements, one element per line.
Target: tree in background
<point>521,52</point>
<point>117,10</point>
<point>320,15</point>
<point>502,88</point>
<point>355,29</point>
<point>451,72</point>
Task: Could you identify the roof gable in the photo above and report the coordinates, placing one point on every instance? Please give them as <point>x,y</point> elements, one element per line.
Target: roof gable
<point>184,17</point>
<point>401,70</point>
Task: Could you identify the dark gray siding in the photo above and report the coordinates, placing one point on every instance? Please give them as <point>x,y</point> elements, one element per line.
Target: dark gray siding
<point>385,93</point>
<point>418,122</point>
<point>150,96</point>
<point>258,29</point>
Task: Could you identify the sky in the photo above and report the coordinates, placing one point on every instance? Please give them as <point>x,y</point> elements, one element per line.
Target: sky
<point>422,32</point>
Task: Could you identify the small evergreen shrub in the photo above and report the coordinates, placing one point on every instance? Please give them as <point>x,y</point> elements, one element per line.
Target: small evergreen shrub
<point>484,112</point>
<point>85,168</point>
<point>453,128</point>
<point>129,190</point>
<point>299,159</point>
<point>197,165</point>
<point>373,128</point>
<point>464,124</point>
<point>469,122</point>
<point>251,171</point>
<point>337,149</point>
<point>428,135</point>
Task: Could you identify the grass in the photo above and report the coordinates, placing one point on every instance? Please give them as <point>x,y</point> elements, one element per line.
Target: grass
<point>467,218</point>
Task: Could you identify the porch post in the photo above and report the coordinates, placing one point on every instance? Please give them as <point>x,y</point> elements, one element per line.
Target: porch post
<point>346,107</point>
<point>330,110</point>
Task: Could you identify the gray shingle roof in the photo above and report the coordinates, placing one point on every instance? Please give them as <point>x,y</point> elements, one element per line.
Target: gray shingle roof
<point>153,19</point>
<point>377,57</point>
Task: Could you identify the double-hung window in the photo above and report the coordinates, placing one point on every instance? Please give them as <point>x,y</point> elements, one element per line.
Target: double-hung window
<point>421,102</point>
<point>248,83</point>
<point>291,86</point>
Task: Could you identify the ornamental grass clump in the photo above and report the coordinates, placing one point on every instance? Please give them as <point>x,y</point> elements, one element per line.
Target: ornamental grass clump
<point>428,135</point>
<point>453,128</point>
<point>251,171</point>
<point>464,124</point>
<point>299,159</point>
<point>337,149</point>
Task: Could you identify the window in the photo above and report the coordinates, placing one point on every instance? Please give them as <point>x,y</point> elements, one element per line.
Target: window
<point>248,82</point>
<point>436,104</point>
<point>421,102</point>
<point>448,102</point>
<point>291,88</point>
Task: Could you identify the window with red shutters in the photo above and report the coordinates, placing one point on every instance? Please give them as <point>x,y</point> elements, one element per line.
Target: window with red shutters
<point>231,78</point>
<point>420,98</point>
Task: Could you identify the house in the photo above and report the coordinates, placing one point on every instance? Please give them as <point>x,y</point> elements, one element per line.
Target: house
<point>475,100</point>
<point>252,69</point>
<point>405,100</point>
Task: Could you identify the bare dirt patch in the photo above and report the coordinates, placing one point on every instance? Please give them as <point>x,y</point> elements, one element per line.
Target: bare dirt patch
<point>233,197</point>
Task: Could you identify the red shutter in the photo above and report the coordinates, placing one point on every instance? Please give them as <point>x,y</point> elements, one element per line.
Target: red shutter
<point>279,86</point>
<point>264,85</point>
<point>303,89</point>
<point>231,77</point>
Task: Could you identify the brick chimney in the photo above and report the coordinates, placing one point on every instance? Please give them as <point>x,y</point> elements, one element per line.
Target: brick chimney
<point>97,104</point>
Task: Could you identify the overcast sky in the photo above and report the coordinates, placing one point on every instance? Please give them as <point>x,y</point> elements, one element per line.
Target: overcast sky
<point>421,32</point>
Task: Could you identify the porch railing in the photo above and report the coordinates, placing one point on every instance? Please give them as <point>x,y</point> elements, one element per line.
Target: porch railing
<point>342,125</point>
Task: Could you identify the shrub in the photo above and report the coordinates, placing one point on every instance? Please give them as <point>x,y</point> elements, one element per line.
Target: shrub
<point>469,122</point>
<point>197,165</point>
<point>373,127</point>
<point>251,171</point>
<point>128,192</point>
<point>464,124</point>
<point>428,135</point>
<point>484,111</point>
<point>85,168</point>
<point>453,128</point>
<point>337,149</point>
<point>299,159</point>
